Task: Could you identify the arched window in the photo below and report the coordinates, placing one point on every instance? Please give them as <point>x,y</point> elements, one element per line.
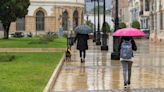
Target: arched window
<point>65,20</point>
<point>20,24</point>
<point>40,21</point>
<point>82,19</point>
<point>75,19</point>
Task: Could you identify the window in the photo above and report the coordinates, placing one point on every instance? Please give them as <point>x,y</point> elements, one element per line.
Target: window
<point>39,21</point>
<point>20,24</point>
<point>82,18</point>
<point>65,20</point>
<point>75,19</point>
<point>146,5</point>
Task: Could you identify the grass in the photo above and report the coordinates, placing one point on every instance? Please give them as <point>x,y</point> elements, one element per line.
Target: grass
<point>24,43</point>
<point>28,72</point>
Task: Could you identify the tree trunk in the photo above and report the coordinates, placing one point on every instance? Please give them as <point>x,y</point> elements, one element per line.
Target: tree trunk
<point>6,30</point>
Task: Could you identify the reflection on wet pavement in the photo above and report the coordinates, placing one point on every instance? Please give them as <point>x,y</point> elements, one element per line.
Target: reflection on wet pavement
<point>100,73</point>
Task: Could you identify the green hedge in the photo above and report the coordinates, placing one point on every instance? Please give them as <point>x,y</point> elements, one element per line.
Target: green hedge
<point>105,27</point>
<point>122,25</point>
<point>136,24</point>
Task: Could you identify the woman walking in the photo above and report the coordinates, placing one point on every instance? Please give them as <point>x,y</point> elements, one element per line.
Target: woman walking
<point>126,48</point>
<point>82,45</point>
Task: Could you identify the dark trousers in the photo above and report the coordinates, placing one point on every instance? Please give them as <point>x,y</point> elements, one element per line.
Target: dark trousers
<point>127,65</point>
<point>82,53</point>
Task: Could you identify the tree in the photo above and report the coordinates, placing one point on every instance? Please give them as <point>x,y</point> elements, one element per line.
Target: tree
<point>101,8</point>
<point>10,10</point>
<point>90,24</point>
<point>122,25</point>
<point>136,24</point>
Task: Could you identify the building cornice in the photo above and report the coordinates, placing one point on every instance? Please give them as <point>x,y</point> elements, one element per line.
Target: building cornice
<point>75,4</point>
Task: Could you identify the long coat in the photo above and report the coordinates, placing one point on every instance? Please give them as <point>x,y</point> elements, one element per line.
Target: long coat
<point>82,43</point>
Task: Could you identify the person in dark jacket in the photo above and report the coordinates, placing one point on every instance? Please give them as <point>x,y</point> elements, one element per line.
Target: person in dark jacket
<point>127,63</point>
<point>82,45</point>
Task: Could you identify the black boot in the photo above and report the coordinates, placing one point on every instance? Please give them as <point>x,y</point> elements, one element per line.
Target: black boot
<point>81,60</point>
<point>129,82</point>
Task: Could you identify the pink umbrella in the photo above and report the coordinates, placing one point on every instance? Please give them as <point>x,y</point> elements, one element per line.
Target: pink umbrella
<point>128,32</point>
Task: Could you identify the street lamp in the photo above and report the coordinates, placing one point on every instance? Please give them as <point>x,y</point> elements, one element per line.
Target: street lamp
<point>116,40</point>
<point>94,26</point>
<point>87,17</point>
<point>104,36</point>
<point>98,33</point>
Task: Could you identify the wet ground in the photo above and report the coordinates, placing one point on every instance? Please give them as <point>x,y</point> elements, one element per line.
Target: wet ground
<point>101,74</point>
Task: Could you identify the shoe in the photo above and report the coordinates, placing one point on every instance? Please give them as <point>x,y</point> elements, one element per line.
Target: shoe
<point>81,60</point>
<point>125,84</point>
<point>128,82</point>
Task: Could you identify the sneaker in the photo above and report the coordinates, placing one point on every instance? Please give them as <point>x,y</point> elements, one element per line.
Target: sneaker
<point>125,85</point>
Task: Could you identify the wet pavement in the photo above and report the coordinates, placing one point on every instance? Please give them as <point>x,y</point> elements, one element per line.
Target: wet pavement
<point>101,74</point>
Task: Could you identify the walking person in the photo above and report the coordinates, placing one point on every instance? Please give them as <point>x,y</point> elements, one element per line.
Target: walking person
<point>126,48</point>
<point>82,45</point>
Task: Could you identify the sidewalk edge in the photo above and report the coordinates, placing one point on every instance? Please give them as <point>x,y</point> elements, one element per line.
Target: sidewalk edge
<point>54,76</point>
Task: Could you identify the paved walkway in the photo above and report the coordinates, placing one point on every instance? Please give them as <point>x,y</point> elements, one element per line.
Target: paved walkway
<point>101,74</point>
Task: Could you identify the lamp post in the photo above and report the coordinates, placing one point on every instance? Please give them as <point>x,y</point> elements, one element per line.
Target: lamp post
<point>94,34</point>
<point>87,16</point>
<point>115,53</point>
<point>98,28</point>
<point>104,36</point>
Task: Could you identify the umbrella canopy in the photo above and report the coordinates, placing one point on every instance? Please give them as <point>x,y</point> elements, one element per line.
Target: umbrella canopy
<point>83,29</point>
<point>128,32</point>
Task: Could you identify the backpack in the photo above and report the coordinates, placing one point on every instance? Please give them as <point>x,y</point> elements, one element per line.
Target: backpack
<point>126,51</point>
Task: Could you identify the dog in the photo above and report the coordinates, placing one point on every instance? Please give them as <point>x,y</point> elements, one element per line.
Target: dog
<point>68,54</point>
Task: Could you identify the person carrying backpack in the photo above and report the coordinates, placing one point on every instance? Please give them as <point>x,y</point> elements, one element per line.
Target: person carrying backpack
<point>126,48</point>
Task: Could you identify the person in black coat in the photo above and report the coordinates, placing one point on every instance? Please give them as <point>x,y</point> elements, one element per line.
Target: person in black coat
<point>82,45</point>
<point>127,63</point>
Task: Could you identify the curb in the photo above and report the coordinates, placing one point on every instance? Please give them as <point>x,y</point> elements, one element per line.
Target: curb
<point>54,76</point>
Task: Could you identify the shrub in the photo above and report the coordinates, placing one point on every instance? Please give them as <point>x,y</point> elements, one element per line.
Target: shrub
<point>65,35</point>
<point>122,25</point>
<point>105,27</point>
<point>136,24</point>
<point>45,39</point>
<point>89,23</point>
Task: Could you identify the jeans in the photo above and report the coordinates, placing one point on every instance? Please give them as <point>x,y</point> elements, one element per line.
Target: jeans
<point>126,65</point>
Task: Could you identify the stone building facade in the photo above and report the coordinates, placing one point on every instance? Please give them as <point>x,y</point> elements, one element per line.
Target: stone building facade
<point>123,10</point>
<point>156,20</point>
<point>50,15</point>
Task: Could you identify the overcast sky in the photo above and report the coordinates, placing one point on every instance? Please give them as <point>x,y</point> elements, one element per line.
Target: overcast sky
<point>89,5</point>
